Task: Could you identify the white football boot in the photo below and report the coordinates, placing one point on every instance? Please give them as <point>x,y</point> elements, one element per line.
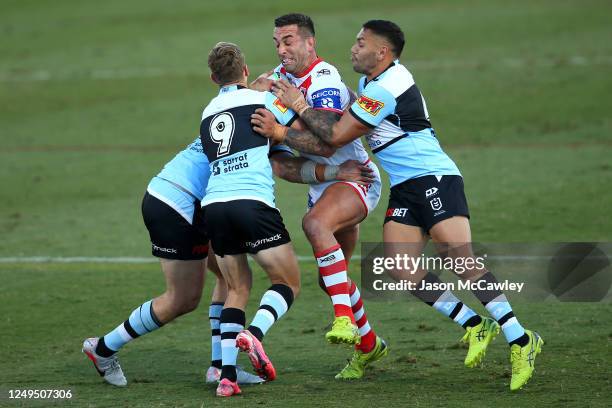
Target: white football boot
<point>107,367</point>
<point>213,374</point>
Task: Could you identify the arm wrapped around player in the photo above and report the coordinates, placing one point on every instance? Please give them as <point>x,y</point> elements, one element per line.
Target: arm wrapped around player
<point>301,170</point>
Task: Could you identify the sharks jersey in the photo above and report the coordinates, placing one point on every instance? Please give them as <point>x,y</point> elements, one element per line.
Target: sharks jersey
<point>401,136</point>
<point>323,89</point>
<point>239,165</point>
<point>182,180</point>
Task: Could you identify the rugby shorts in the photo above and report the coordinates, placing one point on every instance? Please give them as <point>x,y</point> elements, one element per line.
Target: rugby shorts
<point>172,235</point>
<point>244,226</point>
<point>368,194</point>
<point>425,201</point>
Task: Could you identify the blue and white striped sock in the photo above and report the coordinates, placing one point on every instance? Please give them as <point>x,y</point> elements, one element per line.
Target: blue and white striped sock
<point>274,304</point>
<point>141,321</point>
<point>445,302</point>
<point>232,323</point>
<point>214,317</point>
<point>501,311</point>
<point>499,308</point>
<point>449,305</point>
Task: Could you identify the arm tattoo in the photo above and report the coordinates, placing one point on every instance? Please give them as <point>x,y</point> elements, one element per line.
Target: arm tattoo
<point>306,142</point>
<point>321,123</point>
<point>288,167</point>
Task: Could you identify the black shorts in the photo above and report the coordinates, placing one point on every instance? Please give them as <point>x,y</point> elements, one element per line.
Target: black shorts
<point>425,201</point>
<point>244,226</point>
<point>172,237</point>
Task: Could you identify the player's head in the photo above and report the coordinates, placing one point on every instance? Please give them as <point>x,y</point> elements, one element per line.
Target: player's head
<point>378,43</point>
<point>227,65</point>
<point>294,37</point>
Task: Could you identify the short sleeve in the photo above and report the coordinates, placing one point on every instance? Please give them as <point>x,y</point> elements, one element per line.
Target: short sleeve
<point>373,104</point>
<point>327,91</point>
<point>284,115</point>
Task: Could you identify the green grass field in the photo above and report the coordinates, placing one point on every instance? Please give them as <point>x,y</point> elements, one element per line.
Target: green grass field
<point>96,97</point>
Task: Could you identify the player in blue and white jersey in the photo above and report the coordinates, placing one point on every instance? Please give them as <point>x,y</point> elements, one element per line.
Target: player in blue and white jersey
<point>427,197</point>
<point>241,214</point>
<point>172,214</point>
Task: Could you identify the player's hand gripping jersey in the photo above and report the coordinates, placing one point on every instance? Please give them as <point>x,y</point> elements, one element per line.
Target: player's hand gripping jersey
<point>401,135</point>
<point>238,156</point>
<point>323,89</point>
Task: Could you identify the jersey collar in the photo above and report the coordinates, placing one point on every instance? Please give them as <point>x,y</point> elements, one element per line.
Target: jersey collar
<point>230,88</point>
<point>393,63</point>
<point>310,68</point>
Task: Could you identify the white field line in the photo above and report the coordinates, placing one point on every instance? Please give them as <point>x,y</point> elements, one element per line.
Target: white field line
<point>145,260</point>
<point>34,75</point>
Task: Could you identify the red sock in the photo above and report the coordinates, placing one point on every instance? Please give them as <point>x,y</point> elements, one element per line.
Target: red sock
<point>332,269</point>
<point>368,337</point>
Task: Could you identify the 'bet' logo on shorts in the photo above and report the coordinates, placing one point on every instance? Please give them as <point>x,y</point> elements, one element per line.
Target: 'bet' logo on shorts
<point>372,106</point>
<point>397,212</point>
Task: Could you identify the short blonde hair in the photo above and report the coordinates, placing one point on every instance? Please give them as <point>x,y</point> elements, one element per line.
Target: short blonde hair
<point>226,62</point>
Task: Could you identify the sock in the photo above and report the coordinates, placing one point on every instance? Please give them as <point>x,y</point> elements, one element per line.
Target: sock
<point>141,321</point>
<point>232,323</point>
<point>499,308</point>
<point>274,303</point>
<point>214,317</point>
<point>368,337</point>
<point>446,303</point>
<point>332,268</point>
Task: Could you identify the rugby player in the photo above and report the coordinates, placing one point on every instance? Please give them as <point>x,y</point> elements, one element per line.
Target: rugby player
<point>335,208</point>
<point>172,215</point>
<point>425,182</point>
<point>241,215</point>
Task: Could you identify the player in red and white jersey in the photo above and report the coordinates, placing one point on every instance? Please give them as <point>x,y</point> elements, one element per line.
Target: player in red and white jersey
<point>324,90</point>
<point>335,208</point>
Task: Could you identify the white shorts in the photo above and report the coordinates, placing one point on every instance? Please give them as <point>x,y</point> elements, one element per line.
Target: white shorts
<point>369,195</point>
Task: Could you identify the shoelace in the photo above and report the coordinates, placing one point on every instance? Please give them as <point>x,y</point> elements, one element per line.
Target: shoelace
<point>114,365</point>
<point>515,355</point>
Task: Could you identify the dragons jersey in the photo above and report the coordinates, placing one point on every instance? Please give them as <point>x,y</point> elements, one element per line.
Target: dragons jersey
<point>238,156</point>
<point>401,136</point>
<point>323,89</point>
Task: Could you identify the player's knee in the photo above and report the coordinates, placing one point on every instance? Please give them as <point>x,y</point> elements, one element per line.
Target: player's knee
<point>240,290</point>
<point>295,288</point>
<point>185,302</point>
<point>313,227</point>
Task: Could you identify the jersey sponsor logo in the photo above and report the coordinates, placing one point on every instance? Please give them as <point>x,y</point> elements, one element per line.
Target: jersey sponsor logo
<point>199,249</point>
<point>372,106</point>
<point>431,191</point>
<point>196,146</point>
<point>323,71</point>
<point>396,212</point>
<point>436,204</point>
<point>373,143</point>
<point>230,165</point>
<point>279,105</point>
<point>263,241</point>
<point>327,98</point>
<point>328,258</point>
<point>160,249</point>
